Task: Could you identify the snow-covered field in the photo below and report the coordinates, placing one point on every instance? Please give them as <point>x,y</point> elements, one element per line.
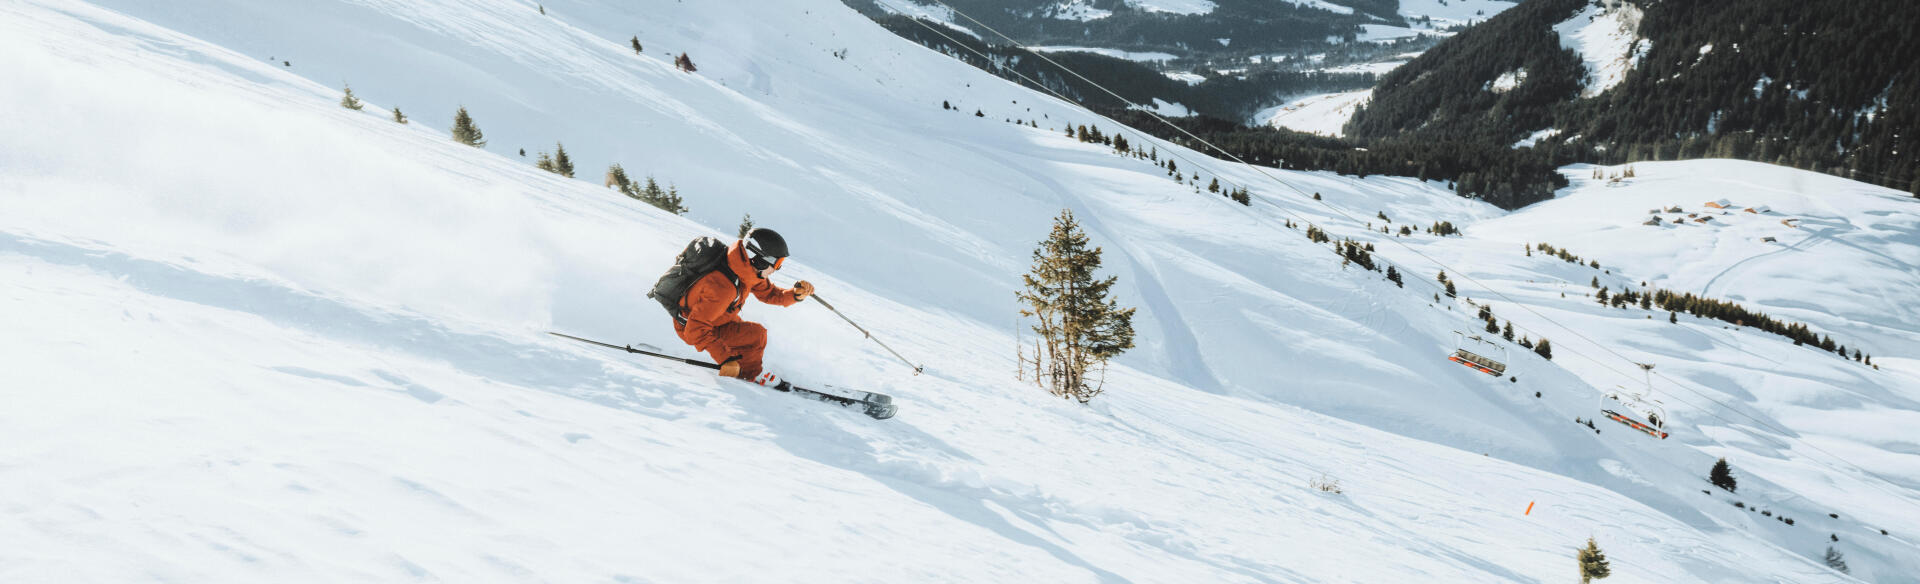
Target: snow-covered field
<point>1452,12</point>
<point>1381,33</point>
<point>1376,68</point>
<point>1323,114</point>
<point>1173,6</point>
<point>254,336</point>
<point>1142,56</point>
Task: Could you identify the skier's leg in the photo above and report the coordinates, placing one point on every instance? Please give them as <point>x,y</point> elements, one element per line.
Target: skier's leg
<point>746,341</point>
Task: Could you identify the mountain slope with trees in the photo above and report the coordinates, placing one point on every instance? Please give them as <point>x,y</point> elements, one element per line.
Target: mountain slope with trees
<point>1829,87</point>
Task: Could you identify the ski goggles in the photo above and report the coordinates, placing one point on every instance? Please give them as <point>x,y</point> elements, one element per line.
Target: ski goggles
<point>761,262</point>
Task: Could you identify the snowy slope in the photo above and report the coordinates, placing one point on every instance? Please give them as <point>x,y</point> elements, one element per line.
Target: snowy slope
<point>269,337</point>
<point>1606,35</point>
<point>1846,268</point>
<point>1323,114</point>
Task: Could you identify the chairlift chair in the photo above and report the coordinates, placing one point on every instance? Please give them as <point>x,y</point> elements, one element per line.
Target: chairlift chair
<point>1640,413</point>
<point>1482,361</point>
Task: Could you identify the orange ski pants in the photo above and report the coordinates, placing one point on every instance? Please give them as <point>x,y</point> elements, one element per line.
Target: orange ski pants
<point>742,339</point>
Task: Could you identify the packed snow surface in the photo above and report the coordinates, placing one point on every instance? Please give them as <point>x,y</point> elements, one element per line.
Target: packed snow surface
<point>255,336</point>
<point>1323,114</point>
<point>1607,38</point>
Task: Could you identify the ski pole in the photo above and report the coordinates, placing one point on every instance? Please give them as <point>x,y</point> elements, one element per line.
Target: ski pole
<point>630,349</point>
<point>896,354</point>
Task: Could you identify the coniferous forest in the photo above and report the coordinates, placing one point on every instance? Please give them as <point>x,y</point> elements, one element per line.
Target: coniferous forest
<point>1824,86</point>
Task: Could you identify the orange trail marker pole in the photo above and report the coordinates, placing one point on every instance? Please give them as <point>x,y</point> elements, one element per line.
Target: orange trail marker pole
<point>1529,508</point>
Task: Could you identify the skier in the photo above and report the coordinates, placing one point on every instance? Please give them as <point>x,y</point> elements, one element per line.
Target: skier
<point>708,316</point>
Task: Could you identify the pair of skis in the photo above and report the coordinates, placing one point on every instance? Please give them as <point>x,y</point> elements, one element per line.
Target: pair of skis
<point>878,406</point>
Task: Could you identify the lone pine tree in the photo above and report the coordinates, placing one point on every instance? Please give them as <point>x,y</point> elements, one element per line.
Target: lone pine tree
<point>464,130</point>
<point>1593,563</point>
<point>349,101</point>
<point>1722,476</point>
<point>1079,325</point>
<point>562,165</point>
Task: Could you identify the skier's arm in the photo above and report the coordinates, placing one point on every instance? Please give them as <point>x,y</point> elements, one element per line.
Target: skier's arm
<point>775,295</point>
<point>706,307</point>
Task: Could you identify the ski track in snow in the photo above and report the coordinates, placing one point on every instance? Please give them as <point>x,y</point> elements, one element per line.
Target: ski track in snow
<point>256,336</point>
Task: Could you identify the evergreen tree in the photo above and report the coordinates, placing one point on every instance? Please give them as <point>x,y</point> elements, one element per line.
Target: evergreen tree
<point>1214,186</point>
<point>1836,561</point>
<point>1673,317</point>
<point>349,101</point>
<point>1544,349</point>
<point>1722,476</point>
<point>1507,332</point>
<point>1450,291</point>
<point>1593,563</point>
<point>667,199</point>
<point>746,224</point>
<point>684,63</point>
<point>546,163</point>
<point>1492,328</point>
<point>670,202</point>
<point>399,117</point>
<point>636,45</point>
<point>562,165</point>
<point>617,179</point>
<point>1079,325</point>
<point>1394,275</point>
<point>465,132</point>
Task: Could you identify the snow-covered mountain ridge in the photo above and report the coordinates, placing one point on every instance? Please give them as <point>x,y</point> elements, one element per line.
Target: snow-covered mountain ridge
<point>256,335</point>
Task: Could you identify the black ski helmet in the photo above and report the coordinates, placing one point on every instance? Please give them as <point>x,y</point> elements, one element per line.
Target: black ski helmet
<point>765,248</point>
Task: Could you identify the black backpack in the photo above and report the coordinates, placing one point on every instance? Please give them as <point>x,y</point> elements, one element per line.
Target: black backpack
<point>702,256</point>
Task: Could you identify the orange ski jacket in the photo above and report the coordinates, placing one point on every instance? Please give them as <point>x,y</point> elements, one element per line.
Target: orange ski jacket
<point>714,301</point>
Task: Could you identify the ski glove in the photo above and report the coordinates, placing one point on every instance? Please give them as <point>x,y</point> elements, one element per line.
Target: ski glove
<point>802,289</point>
